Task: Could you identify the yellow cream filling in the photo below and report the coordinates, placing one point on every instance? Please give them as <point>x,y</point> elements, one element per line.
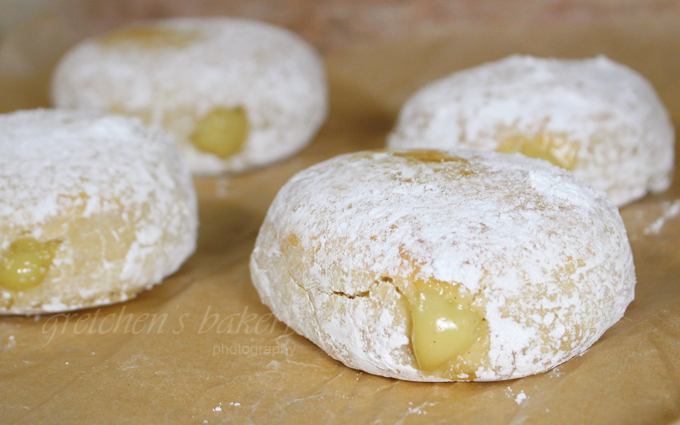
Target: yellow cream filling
<point>222,132</point>
<point>429,155</point>
<point>454,166</point>
<point>25,263</point>
<point>554,148</point>
<point>443,324</point>
<point>150,37</point>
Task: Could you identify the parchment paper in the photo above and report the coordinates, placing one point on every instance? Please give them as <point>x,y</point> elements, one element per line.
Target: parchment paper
<point>201,348</point>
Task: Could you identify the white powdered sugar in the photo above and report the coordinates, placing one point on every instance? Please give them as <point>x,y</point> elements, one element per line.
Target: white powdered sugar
<point>544,253</point>
<point>670,210</point>
<point>202,64</point>
<point>113,192</point>
<point>624,134</point>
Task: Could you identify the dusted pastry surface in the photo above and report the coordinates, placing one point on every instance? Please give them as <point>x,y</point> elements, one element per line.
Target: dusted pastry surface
<point>235,94</point>
<point>595,117</point>
<point>93,209</point>
<point>433,266</point>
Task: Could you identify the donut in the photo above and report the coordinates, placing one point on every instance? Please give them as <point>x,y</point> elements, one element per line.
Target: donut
<point>234,93</point>
<point>429,265</point>
<point>93,209</point>
<point>595,117</point>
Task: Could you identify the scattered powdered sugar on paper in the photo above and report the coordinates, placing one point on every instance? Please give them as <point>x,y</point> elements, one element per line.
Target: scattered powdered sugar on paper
<point>520,397</point>
<point>11,343</point>
<point>418,410</point>
<point>670,210</point>
<point>219,407</point>
<point>555,373</point>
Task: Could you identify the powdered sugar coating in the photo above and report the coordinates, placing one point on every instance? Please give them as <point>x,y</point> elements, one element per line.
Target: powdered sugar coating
<point>544,254</point>
<point>221,62</point>
<point>625,134</point>
<point>114,192</point>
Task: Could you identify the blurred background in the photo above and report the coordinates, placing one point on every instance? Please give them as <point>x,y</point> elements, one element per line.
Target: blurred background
<point>428,38</point>
<point>331,24</point>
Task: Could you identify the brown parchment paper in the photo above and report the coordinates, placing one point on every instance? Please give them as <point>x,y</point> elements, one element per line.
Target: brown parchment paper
<point>201,348</point>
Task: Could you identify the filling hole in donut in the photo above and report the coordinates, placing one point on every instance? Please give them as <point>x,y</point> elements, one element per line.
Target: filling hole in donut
<point>443,324</point>
<point>150,37</point>
<point>443,161</point>
<point>554,148</point>
<point>221,132</point>
<point>26,262</point>
<point>430,155</point>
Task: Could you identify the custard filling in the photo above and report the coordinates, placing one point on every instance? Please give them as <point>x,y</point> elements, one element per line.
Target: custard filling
<point>443,162</point>
<point>150,37</point>
<point>429,155</point>
<point>221,132</point>
<point>25,263</point>
<point>554,148</point>
<point>443,324</point>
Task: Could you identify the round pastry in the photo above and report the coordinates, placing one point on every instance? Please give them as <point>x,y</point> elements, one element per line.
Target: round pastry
<point>442,266</point>
<point>599,119</point>
<point>93,209</point>
<point>235,93</point>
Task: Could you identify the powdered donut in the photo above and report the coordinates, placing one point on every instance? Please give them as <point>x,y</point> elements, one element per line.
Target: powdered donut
<point>597,118</point>
<point>93,209</point>
<point>235,93</point>
<point>444,266</point>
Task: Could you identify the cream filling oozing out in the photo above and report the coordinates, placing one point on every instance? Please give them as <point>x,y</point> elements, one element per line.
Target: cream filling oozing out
<point>554,148</point>
<point>221,132</point>
<point>444,325</point>
<point>25,263</point>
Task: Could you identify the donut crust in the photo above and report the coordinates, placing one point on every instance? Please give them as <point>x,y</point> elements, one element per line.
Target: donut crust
<point>543,257</point>
<point>597,118</point>
<point>173,73</point>
<point>113,195</point>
